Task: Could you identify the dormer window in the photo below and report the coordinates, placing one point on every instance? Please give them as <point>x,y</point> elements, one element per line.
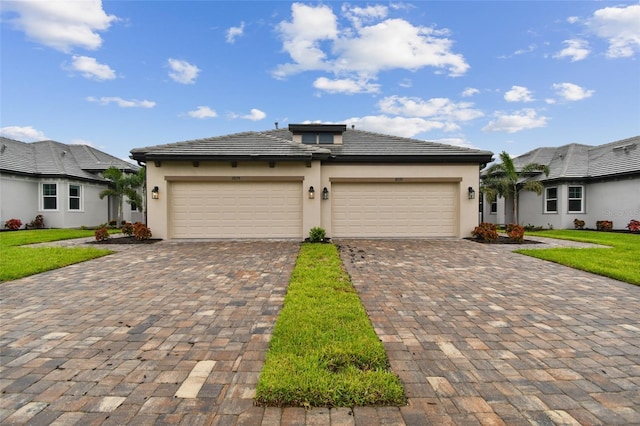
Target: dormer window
<point>317,138</point>
<point>318,134</point>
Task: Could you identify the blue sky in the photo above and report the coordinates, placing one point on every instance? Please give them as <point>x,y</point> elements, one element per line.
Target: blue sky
<point>491,75</point>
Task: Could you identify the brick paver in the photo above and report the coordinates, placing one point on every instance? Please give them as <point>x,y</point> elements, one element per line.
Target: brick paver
<point>480,335</point>
<point>176,333</point>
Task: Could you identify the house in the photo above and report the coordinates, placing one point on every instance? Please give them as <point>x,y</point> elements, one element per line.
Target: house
<point>60,182</point>
<point>589,183</point>
<point>281,183</point>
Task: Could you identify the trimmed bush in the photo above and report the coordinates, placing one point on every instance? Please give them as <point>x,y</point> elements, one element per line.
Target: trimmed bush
<point>127,229</point>
<point>604,225</point>
<point>578,224</point>
<point>634,225</point>
<point>13,224</point>
<point>102,234</point>
<point>515,232</point>
<point>486,232</point>
<point>141,232</point>
<point>316,234</point>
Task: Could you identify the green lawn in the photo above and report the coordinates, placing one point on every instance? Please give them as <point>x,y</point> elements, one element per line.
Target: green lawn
<point>324,351</point>
<point>621,261</point>
<point>17,261</point>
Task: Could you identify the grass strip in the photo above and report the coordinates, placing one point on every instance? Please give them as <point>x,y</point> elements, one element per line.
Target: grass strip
<point>18,262</point>
<point>619,262</point>
<point>324,351</point>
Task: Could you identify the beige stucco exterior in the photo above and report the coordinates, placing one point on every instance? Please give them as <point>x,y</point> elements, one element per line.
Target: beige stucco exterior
<point>315,212</point>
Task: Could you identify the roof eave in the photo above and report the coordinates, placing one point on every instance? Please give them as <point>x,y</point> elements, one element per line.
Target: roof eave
<point>425,159</point>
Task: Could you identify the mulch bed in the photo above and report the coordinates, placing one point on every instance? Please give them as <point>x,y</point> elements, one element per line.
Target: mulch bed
<point>504,240</point>
<point>126,240</point>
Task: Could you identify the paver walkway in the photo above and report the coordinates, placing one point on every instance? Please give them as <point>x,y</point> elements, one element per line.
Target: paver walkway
<point>176,333</point>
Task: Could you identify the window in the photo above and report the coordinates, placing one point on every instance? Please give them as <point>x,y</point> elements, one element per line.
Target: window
<point>494,207</point>
<point>134,206</point>
<point>317,138</point>
<point>551,200</point>
<point>74,197</point>
<point>49,196</point>
<point>575,199</point>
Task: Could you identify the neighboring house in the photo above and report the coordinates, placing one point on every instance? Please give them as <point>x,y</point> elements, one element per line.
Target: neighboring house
<point>60,182</point>
<point>283,182</point>
<point>589,183</point>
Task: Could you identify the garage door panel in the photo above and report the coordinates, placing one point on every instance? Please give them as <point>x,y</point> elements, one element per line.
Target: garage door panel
<point>235,209</point>
<point>394,209</point>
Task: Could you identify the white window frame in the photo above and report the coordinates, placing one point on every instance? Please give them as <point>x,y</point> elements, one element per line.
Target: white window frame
<point>493,204</point>
<point>547,199</point>
<point>42,197</point>
<point>569,199</point>
<point>79,197</point>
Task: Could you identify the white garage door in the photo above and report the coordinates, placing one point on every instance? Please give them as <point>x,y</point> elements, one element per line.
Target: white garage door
<point>394,209</point>
<point>235,209</point>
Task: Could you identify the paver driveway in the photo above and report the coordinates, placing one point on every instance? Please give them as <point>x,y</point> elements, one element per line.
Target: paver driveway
<point>480,335</point>
<point>164,333</point>
<point>176,333</point>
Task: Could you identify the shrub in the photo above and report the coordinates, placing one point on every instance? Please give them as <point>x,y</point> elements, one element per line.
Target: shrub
<point>13,224</point>
<point>531,227</point>
<point>102,234</point>
<point>127,229</point>
<point>113,223</point>
<point>316,234</point>
<point>141,232</point>
<point>486,232</point>
<point>634,225</point>
<point>515,232</point>
<point>604,225</point>
<point>578,224</point>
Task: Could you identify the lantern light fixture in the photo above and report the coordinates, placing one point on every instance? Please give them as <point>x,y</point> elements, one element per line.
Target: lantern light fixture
<point>472,193</point>
<point>325,193</point>
<point>312,193</point>
<point>154,193</point>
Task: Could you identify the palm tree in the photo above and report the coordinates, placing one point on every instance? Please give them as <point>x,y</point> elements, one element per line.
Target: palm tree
<point>504,180</point>
<point>122,184</point>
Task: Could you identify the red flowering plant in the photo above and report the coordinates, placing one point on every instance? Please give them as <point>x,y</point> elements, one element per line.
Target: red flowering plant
<point>634,225</point>
<point>13,224</point>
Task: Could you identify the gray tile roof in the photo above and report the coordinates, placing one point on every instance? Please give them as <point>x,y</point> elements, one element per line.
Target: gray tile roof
<point>50,158</point>
<point>577,161</point>
<point>278,144</point>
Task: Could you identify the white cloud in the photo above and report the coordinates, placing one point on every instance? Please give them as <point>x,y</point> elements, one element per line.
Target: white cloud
<point>576,50</point>
<point>82,142</point>
<point>436,108</point>
<point>572,92</point>
<point>346,85</point>
<point>122,103</point>
<point>203,112</point>
<point>91,69</point>
<point>620,26</point>
<point>518,94</point>
<point>235,32</point>
<point>23,133</point>
<point>573,19</point>
<point>469,91</point>
<point>182,71</point>
<point>406,83</point>
<point>516,122</point>
<point>315,43</point>
<point>360,15</point>
<point>529,49</point>
<point>453,141</point>
<point>255,115</point>
<point>61,24</point>
<point>399,126</point>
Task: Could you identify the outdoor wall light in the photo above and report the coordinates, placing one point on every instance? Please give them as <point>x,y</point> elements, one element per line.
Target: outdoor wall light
<point>472,193</point>
<point>154,193</point>
<point>312,193</point>
<point>325,193</point>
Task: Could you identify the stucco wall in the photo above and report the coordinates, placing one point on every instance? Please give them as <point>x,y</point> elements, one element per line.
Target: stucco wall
<point>21,199</point>
<point>18,198</point>
<point>316,212</point>
<point>616,200</point>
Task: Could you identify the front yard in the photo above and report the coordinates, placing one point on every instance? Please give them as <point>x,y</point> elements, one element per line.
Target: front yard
<point>621,261</point>
<point>18,261</point>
